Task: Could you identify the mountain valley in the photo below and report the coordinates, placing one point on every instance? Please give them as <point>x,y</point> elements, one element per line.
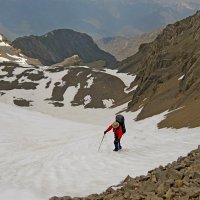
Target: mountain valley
<point>59,91</point>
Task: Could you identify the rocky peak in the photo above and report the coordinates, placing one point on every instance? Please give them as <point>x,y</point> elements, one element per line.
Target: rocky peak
<point>57,45</point>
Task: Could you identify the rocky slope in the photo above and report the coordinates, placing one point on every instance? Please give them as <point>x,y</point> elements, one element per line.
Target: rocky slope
<point>177,180</point>
<point>124,47</point>
<point>58,45</point>
<point>168,72</point>
<point>9,53</point>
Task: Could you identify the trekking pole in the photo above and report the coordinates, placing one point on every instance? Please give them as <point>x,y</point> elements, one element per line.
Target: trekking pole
<point>101,142</point>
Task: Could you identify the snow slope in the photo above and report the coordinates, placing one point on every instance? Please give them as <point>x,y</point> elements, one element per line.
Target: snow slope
<point>42,156</point>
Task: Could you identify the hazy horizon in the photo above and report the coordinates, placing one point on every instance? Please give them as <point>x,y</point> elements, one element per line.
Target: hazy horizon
<point>99,19</point>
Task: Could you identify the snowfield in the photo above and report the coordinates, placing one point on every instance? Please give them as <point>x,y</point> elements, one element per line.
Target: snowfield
<point>42,156</point>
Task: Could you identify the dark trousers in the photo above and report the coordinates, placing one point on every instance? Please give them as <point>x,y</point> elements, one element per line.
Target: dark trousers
<point>117,144</point>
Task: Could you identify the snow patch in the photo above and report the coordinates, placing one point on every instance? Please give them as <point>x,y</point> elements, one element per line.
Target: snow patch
<point>2,43</point>
<point>131,89</point>
<point>108,102</point>
<point>18,70</point>
<point>116,187</point>
<point>86,67</point>
<point>87,99</point>
<point>18,59</point>
<point>90,81</point>
<point>2,59</point>
<point>70,94</point>
<point>56,76</point>
<point>8,79</point>
<point>79,73</point>
<point>21,55</point>
<point>175,109</point>
<point>181,77</point>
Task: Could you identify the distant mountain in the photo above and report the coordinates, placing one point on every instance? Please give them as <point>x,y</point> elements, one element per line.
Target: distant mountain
<point>168,75</point>
<point>58,45</point>
<point>123,47</point>
<point>97,18</point>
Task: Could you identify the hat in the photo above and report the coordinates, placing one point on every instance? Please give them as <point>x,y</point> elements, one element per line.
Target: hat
<point>115,124</point>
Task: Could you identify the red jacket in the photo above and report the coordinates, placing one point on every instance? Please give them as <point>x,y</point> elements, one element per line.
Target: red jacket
<point>117,131</point>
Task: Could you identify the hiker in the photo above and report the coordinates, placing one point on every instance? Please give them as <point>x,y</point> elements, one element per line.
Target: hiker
<point>117,129</point>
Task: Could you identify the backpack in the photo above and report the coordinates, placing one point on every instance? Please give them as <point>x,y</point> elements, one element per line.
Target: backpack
<point>121,121</point>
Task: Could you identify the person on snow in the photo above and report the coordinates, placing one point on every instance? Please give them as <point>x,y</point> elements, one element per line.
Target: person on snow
<point>117,129</point>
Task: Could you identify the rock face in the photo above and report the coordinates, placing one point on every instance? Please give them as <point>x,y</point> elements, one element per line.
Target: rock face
<point>178,180</point>
<point>71,61</point>
<point>168,75</point>
<point>57,45</point>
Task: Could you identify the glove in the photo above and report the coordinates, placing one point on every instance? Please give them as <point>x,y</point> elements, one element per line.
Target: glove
<point>105,132</point>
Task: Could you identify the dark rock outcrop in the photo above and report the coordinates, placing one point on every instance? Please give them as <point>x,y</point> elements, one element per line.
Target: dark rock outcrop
<point>178,180</point>
<point>57,45</point>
